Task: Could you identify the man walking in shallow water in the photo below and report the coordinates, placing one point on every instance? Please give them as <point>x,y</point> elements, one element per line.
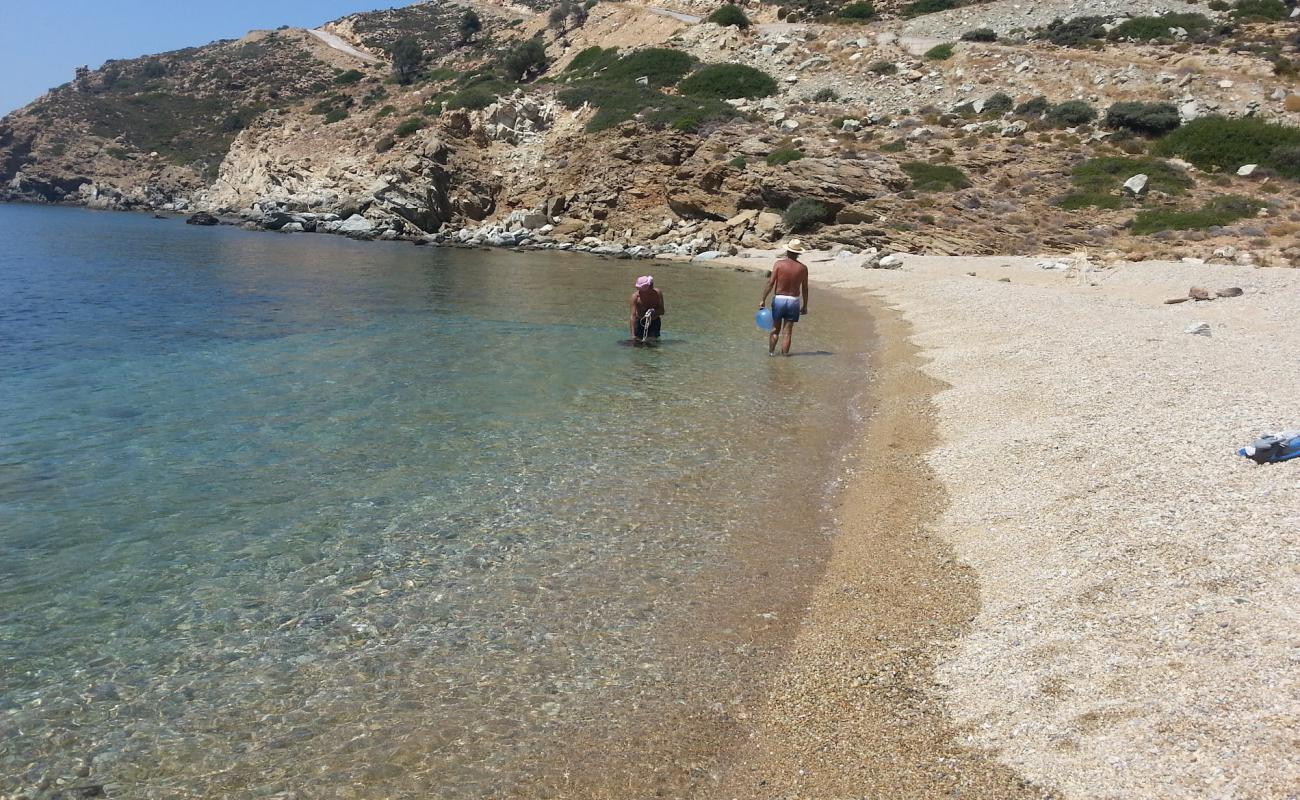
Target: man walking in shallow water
<point>789,281</point>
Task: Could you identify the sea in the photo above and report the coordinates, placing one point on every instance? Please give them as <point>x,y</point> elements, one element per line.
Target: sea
<point>287,515</point>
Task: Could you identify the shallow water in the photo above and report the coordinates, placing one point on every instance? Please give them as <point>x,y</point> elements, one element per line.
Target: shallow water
<point>299,516</point>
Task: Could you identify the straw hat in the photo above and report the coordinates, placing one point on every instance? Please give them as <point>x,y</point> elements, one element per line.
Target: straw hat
<point>794,246</point>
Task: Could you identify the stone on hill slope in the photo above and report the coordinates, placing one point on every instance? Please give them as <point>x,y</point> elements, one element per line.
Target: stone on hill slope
<point>716,193</point>
<point>1136,185</point>
<point>833,182</point>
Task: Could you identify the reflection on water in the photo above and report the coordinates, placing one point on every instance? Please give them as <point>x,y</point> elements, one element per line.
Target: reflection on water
<point>293,514</point>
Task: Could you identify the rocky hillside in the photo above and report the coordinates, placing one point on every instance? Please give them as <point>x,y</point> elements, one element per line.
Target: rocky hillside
<point>1144,128</point>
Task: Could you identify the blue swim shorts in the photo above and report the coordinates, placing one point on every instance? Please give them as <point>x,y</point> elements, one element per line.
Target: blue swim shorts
<point>785,307</point>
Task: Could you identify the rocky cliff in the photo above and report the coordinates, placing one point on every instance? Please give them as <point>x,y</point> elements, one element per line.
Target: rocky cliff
<point>929,126</point>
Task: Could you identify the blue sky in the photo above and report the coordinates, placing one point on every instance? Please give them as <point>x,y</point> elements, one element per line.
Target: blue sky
<point>43,41</point>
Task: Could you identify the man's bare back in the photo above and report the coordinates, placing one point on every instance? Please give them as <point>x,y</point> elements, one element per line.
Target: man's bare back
<point>789,277</point>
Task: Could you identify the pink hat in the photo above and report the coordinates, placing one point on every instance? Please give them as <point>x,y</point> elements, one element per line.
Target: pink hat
<point>644,281</point>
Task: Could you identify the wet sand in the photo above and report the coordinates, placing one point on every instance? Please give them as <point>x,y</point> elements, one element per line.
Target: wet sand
<point>855,710</point>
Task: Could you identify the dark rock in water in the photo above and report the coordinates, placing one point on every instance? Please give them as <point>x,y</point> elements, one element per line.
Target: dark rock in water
<point>203,218</point>
<point>90,790</point>
<point>104,691</point>
<point>274,220</point>
<point>161,216</point>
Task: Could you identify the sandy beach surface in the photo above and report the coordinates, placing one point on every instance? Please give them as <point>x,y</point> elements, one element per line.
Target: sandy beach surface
<point>1054,576</point>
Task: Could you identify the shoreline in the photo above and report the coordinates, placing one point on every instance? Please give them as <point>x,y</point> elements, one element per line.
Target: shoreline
<point>853,709</point>
<point>1135,578</point>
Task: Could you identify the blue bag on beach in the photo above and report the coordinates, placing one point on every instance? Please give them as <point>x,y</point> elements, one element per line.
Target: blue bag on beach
<point>764,319</point>
<point>1273,447</point>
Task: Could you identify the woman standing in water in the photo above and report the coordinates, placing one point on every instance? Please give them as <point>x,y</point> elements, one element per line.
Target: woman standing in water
<point>645,300</point>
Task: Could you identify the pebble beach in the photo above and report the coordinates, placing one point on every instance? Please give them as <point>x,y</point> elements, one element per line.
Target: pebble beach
<point>1101,594</point>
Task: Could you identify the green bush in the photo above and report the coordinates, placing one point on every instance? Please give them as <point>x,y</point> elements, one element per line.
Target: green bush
<point>472,98</point>
<point>688,122</point>
<point>1286,160</point>
<point>999,104</point>
<point>1070,113</point>
<point>468,26</point>
<point>940,52</point>
<point>1078,200</point>
<point>526,60</point>
<point>1148,119</point>
<point>1076,32</point>
<point>374,96</point>
<point>728,81</point>
<point>935,177</point>
<point>1264,10</point>
<point>980,35</point>
<point>592,58</point>
<point>384,144</point>
<point>1033,107</point>
<point>804,214</point>
<point>729,15</point>
<point>1218,5</point>
<point>152,69</point>
<point>1219,211</point>
<point>896,146</point>
<point>385,111</point>
<point>408,127</point>
<point>1145,29</point>
<point>407,57</point>
<point>784,156</point>
<point>826,95</point>
<point>738,162</point>
<point>919,7</point>
<point>333,108</point>
<point>616,103</point>
<point>663,66</point>
<point>884,68</point>
<point>609,83</point>
<point>860,10</point>
<point>1221,143</point>
<point>1099,175</point>
<point>349,77</point>
<point>439,74</point>
<point>232,123</point>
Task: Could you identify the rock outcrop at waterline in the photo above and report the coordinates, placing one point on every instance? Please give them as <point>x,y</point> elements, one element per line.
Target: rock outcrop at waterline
<point>876,138</point>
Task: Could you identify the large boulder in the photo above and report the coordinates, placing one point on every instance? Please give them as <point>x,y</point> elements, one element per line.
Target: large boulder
<point>511,119</point>
<point>833,182</point>
<point>717,193</point>
<point>354,224</point>
<point>202,218</point>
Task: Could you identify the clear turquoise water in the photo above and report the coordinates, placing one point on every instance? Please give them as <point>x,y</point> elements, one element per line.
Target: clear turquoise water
<point>300,516</point>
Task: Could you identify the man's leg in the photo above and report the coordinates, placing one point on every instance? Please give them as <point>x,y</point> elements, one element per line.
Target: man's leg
<point>785,345</point>
<point>772,337</point>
